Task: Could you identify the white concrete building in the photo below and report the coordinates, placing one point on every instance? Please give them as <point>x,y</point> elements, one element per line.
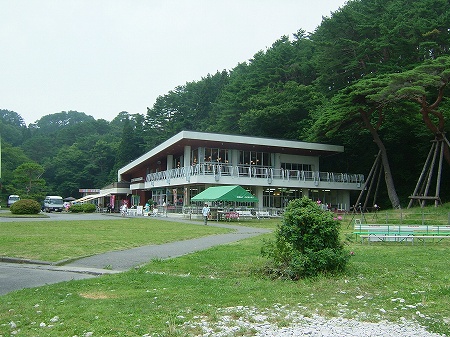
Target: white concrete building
<point>273,170</point>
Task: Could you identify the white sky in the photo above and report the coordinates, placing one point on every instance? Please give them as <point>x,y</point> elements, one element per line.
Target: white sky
<point>102,57</point>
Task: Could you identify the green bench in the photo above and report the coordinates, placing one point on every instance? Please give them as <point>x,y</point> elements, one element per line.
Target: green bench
<point>395,232</point>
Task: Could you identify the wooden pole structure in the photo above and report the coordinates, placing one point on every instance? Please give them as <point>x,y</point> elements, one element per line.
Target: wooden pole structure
<point>430,173</point>
<point>439,175</point>
<point>369,178</point>
<point>423,184</point>
<point>422,175</point>
<point>372,181</point>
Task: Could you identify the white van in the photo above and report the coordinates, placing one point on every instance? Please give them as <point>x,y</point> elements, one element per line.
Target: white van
<point>53,203</point>
<point>12,199</point>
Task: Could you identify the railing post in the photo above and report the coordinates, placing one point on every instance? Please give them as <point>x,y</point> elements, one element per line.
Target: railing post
<point>316,176</point>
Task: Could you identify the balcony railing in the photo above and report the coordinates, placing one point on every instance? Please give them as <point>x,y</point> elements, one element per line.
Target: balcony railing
<point>269,173</point>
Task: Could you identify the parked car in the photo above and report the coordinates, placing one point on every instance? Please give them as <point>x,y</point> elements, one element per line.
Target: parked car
<point>12,199</point>
<point>53,203</point>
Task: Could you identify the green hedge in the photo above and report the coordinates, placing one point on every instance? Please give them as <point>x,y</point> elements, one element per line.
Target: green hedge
<point>83,208</point>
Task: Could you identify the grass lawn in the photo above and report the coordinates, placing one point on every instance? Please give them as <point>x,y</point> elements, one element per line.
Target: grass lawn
<point>384,281</point>
<point>8,214</point>
<point>59,240</point>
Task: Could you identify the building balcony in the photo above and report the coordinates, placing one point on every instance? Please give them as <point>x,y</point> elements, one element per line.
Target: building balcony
<point>250,175</point>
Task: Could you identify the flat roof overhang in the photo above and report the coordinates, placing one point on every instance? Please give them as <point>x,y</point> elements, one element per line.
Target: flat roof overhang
<point>194,139</point>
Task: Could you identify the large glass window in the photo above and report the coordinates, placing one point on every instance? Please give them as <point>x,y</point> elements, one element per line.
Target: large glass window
<point>194,157</point>
<point>158,196</point>
<point>280,197</point>
<point>254,158</point>
<point>178,162</point>
<point>211,155</point>
<point>296,166</point>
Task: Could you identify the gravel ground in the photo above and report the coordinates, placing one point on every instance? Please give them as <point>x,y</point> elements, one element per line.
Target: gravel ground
<point>238,321</point>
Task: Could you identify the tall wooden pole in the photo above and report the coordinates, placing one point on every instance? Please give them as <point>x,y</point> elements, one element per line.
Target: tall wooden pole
<point>439,174</point>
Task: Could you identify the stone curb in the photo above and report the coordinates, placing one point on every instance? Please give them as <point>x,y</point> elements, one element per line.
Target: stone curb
<point>24,261</point>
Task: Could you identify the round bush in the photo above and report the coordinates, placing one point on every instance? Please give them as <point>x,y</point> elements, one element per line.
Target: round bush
<point>25,206</point>
<point>306,243</point>
<point>89,208</point>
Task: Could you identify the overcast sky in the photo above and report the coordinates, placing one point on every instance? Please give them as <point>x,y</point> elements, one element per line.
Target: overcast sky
<point>102,57</point>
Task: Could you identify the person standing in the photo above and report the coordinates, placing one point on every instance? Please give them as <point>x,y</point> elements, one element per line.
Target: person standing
<point>205,212</point>
<point>124,209</point>
<point>165,208</point>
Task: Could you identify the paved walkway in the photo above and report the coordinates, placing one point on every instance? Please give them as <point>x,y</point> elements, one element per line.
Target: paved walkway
<point>19,274</point>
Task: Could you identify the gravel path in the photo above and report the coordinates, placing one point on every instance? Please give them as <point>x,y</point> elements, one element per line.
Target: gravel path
<point>265,324</point>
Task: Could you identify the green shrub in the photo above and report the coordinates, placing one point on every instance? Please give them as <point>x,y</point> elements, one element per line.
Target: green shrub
<point>25,206</point>
<point>83,208</point>
<point>306,243</point>
<point>77,208</point>
<point>89,208</point>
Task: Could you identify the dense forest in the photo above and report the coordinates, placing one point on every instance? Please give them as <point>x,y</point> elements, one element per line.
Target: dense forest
<point>372,77</point>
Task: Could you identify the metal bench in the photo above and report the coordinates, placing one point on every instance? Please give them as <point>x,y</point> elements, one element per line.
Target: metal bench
<point>396,232</point>
<point>245,214</point>
<point>262,214</point>
<point>402,238</point>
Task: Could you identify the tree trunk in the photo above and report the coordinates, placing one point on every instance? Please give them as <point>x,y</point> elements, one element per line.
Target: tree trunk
<point>392,193</point>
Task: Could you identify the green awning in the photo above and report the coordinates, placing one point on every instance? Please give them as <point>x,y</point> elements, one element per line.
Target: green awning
<point>225,193</point>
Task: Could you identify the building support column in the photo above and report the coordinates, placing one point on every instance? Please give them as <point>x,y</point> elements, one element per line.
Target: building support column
<point>169,165</point>
<point>186,196</point>
<point>234,158</point>
<point>305,192</point>
<point>260,195</point>
<point>187,156</point>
